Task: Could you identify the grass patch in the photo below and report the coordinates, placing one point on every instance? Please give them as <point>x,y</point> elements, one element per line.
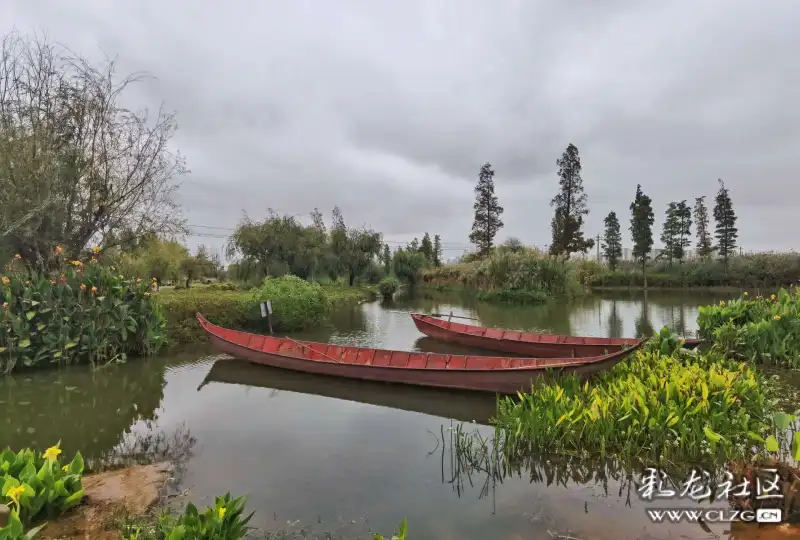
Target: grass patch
<point>228,306</point>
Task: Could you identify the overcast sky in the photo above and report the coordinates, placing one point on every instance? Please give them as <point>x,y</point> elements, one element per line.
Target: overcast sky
<point>389,108</point>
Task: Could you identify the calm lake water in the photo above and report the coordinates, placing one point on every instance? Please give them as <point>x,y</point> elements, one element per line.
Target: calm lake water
<point>328,455</point>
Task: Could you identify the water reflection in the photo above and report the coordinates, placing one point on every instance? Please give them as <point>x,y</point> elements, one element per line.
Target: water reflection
<point>465,406</point>
<point>87,410</point>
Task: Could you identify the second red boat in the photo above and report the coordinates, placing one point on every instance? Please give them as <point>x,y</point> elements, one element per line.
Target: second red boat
<point>525,343</point>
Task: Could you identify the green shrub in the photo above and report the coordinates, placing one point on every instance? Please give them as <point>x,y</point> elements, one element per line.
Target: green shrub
<point>231,309</point>
<point>388,286</point>
<point>296,303</point>
<point>662,407</point>
<point>373,273</point>
<point>761,330</point>
<point>36,485</point>
<point>82,313</point>
<point>408,265</point>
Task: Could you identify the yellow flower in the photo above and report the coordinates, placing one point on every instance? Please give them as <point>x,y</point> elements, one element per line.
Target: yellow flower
<point>147,294</point>
<point>77,263</point>
<point>94,289</point>
<point>222,511</point>
<point>745,293</point>
<point>121,276</point>
<point>15,493</point>
<point>17,257</point>
<point>94,260</point>
<point>777,317</point>
<point>773,297</point>
<point>96,250</point>
<point>51,454</point>
<point>138,280</point>
<point>65,468</point>
<point>59,249</point>
<point>6,281</point>
<point>83,286</point>
<point>722,302</point>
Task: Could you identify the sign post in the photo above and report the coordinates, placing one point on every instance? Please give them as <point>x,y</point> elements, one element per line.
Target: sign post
<point>266,311</point>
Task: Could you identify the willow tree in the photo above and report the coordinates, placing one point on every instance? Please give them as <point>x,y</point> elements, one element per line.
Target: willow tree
<point>75,165</point>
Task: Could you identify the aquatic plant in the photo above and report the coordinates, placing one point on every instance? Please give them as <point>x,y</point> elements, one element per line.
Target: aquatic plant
<point>659,406</point>
<point>79,313</point>
<point>388,286</point>
<point>297,303</point>
<point>761,329</point>
<point>35,484</point>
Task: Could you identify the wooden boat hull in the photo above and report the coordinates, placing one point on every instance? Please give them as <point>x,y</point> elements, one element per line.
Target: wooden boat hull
<point>523,343</point>
<point>478,373</point>
<point>453,404</point>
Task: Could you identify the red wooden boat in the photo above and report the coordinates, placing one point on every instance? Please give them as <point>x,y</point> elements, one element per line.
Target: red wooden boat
<point>526,343</point>
<point>486,373</point>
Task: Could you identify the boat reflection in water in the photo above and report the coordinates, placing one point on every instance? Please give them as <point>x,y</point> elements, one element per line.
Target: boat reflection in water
<point>458,405</point>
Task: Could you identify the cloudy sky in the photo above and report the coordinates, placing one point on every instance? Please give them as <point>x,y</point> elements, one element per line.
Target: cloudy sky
<point>389,108</point>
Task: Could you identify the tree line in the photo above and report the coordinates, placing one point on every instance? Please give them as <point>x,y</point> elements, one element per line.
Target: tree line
<point>281,244</point>
<point>571,206</point>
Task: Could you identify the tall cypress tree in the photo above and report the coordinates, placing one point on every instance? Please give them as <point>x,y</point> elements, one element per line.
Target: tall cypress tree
<point>669,231</point>
<point>642,229</point>
<point>677,228</point>
<point>704,246</point>
<point>726,231</point>
<point>570,207</point>
<point>387,259</point>
<point>437,250</point>
<point>612,244</point>
<point>487,212</point>
<point>426,247</point>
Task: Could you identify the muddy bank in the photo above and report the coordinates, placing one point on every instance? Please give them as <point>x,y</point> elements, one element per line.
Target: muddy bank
<point>109,496</point>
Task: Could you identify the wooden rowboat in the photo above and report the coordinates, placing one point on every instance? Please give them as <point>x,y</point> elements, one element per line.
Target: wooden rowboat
<point>525,343</point>
<point>482,373</point>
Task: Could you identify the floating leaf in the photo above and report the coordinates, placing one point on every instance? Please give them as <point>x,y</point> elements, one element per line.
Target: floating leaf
<point>772,444</point>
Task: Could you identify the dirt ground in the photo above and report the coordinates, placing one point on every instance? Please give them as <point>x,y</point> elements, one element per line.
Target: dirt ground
<point>133,490</point>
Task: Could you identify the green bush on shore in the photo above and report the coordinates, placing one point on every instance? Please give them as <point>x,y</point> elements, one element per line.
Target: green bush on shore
<point>231,309</point>
<point>388,286</point>
<point>296,303</point>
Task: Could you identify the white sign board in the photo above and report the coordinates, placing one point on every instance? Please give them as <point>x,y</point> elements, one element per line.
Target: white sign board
<point>269,307</point>
<point>263,310</point>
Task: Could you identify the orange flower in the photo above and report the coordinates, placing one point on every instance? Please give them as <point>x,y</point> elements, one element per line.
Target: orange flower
<point>5,305</point>
<point>94,289</point>
<point>94,260</point>
<point>52,282</point>
<point>62,278</point>
<point>96,250</point>
<point>5,280</point>
<point>83,286</point>
<point>59,249</point>
<point>777,317</point>
<point>17,257</point>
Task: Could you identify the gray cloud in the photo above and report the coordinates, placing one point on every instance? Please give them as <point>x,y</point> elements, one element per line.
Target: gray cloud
<point>389,109</point>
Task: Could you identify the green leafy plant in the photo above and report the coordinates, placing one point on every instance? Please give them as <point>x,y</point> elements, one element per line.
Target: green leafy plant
<point>296,303</point>
<point>762,329</point>
<point>388,286</point>
<point>80,313</point>
<point>401,534</point>
<point>658,406</point>
<point>36,485</point>
<point>224,521</point>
